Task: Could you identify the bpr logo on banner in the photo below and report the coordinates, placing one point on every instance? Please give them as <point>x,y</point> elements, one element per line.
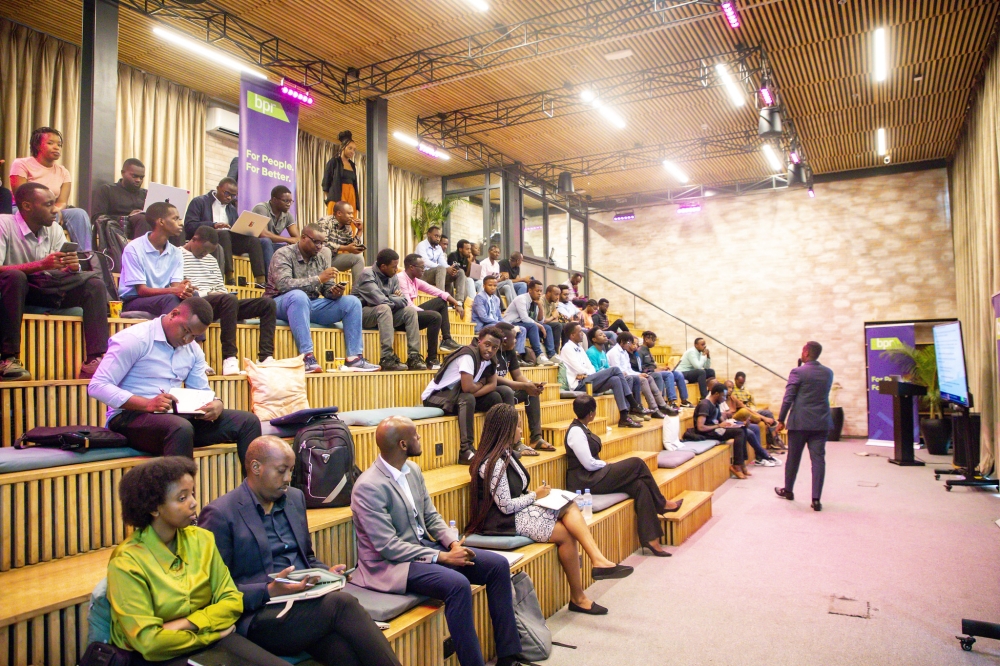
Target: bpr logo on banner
<point>265,105</point>
<point>885,344</point>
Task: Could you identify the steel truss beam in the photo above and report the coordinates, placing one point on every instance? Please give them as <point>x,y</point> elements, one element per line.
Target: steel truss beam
<point>685,194</point>
<point>749,65</point>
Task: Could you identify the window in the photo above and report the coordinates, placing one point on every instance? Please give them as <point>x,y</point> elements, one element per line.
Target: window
<point>533,226</point>
<point>578,232</point>
<point>558,249</point>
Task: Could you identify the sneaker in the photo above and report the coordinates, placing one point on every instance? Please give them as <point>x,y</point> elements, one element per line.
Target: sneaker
<point>658,415</point>
<point>88,369</point>
<point>433,363</point>
<point>465,456</point>
<point>761,462</point>
<point>774,462</point>
<point>555,358</point>
<point>449,346</point>
<point>393,364</point>
<point>266,360</point>
<point>686,404</point>
<point>359,365</point>
<point>627,422</point>
<point>544,360</point>
<point>415,363</point>
<point>231,366</point>
<point>312,365</point>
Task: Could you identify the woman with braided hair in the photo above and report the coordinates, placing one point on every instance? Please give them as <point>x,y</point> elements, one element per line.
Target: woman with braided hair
<point>340,177</point>
<point>504,506</point>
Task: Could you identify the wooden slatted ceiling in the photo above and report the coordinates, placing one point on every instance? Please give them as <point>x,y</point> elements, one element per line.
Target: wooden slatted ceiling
<point>819,49</point>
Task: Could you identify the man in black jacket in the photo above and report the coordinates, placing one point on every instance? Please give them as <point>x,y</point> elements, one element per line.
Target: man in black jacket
<point>218,209</point>
<point>384,308</point>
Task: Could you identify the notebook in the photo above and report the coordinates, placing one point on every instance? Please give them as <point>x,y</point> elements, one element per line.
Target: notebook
<point>556,499</point>
<point>190,400</point>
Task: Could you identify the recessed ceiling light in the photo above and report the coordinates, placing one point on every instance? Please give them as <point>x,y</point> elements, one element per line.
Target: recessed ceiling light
<point>619,55</point>
<point>881,55</point>
<point>881,142</point>
<point>732,89</point>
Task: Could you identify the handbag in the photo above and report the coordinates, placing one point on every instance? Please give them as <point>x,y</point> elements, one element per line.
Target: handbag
<point>105,654</point>
<point>71,438</point>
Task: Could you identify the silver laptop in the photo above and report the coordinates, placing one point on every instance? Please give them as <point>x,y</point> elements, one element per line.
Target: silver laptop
<point>172,195</point>
<point>250,224</point>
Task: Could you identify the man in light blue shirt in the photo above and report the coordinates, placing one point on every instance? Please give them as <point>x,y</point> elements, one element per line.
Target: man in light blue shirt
<point>520,312</point>
<point>696,365</point>
<point>144,362</point>
<point>436,268</point>
<point>152,275</point>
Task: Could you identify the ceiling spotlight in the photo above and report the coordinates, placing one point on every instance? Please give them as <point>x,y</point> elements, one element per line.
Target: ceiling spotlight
<point>624,216</point>
<point>675,171</point>
<point>729,11</point>
<point>766,96</point>
<point>772,157</point>
<point>881,56</point>
<point>206,52</point>
<point>425,148</point>
<point>733,90</point>
<point>479,5</point>
<point>812,193</point>
<point>881,142</point>
<point>689,208</point>
<point>588,95</point>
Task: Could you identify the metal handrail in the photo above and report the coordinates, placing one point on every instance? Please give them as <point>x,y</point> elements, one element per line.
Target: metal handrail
<point>686,324</point>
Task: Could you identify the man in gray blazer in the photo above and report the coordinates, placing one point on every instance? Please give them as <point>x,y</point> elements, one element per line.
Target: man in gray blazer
<point>807,395</point>
<point>405,546</point>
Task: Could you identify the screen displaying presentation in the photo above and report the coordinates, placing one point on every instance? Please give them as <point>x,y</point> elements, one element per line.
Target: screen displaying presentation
<point>951,363</point>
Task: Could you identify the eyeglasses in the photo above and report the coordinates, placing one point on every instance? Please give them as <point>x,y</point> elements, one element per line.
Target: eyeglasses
<point>314,241</point>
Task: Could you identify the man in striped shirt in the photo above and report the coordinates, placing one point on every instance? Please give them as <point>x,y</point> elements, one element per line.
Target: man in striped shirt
<point>202,271</point>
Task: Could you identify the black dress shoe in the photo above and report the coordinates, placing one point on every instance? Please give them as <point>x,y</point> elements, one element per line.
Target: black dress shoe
<point>627,422</point>
<point>595,609</point>
<point>670,410</point>
<point>617,571</point>
<point>680,503</point>
<point>658,415</point>
<point>465,456</point>
<point>816,505</point>
<point>784,494</point>
<point>658,553</point>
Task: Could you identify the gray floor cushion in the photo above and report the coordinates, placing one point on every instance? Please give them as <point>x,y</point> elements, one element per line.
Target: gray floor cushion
<point>672,459</point>
<point>382,606</point>
<point>20,460</point>
<point>602,502</point>
<point>497,542</point>
<point>372,417</point>
<point>699,447</point>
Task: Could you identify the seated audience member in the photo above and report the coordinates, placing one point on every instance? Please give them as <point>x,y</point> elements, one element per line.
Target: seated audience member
<point>170,593</point>
<point>601,319</point>
<point>486,311</point>
<point>501,504</point>
<point>575,293</point>
<point>708,423</point>
<point>670,382</point>
<point>334,629</point>
<point>567,309</point>
<point>524,311</point>
<point>385,309</point>
<point>406,547</point>
<point>201,270</point>
<point>735,410</point>
<point>340,176</point>
<point>552,322</point>
<point>510,269</point>
<point>46,147</point>
<point>508,369</point>
<point>444,245</point>
<point>746,409</point>
<point>143,363</point>
<point>152,276</point>
<point>466,384</point>
<point>437,270</point>
<point>740,393</point>
<point>343,237</point>
<point>696,365</point>
<point>585,469</point>
<point>217,209</point>
<point>598,342</point>
<point>587,319</point>
<point>621,356</point>
<point>432,315</point>
<point>126,198</point>
<point>6,196</point>
<point>491,266</point>
<point>465,286</point>
<point>304,286</point>
<point>279,219</point>
<point>580,372</point>
<point>33,271</point>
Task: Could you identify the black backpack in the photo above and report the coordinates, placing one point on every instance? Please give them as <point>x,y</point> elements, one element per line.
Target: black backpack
<point>110,239</point>
<point>324,463</point>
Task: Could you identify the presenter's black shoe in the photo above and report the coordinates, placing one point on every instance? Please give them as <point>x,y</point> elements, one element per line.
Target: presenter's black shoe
<point>784,494</point>
<point>817,506</point>
<point>617,571</point>
<point>595,609</point>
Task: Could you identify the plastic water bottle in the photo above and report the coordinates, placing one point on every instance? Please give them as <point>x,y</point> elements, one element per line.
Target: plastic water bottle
<point>579,501</point>
<point>453,530</point>
<point>588,504</point>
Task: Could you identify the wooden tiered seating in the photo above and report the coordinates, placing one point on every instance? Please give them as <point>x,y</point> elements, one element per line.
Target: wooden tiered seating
<point>57,525</point>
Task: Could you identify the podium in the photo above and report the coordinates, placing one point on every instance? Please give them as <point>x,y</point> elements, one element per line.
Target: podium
<point>902,394</point>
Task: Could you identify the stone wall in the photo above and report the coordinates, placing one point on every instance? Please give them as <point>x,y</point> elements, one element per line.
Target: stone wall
<point>220,149</point>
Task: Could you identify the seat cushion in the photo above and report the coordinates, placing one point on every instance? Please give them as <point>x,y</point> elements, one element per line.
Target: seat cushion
<point>312,324</point>
<point>372,417</point>
<point>136,314</point>
<point>59,312</point>
<point>497,542</point>
<point>602,502</point>
<point>699,447</point>
<point>20,460</point>
<point>672,459</point>
<point>382,606</point>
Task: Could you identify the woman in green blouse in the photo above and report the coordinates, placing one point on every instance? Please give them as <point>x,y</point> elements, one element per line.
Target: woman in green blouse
<point>170,593</point>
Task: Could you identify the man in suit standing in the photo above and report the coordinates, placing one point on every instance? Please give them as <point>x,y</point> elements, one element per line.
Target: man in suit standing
<point>405,546</point>
<point>260,529</point>
<point>807,395</point>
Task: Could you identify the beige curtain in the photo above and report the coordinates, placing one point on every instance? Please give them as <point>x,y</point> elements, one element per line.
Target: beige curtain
<point>39,85</point>
<point>975,205</point>
<point>162,124</point>
<point>404,189</point>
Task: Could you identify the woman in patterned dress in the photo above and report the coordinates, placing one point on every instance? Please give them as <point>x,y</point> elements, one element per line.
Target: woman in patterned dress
<point>504,506</point>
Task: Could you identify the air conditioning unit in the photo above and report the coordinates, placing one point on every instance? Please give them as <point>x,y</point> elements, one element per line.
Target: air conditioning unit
<point>223,121</point>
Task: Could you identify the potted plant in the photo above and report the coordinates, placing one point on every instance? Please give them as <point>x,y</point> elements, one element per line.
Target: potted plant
<point>921,368</point>
<point>427,214</point>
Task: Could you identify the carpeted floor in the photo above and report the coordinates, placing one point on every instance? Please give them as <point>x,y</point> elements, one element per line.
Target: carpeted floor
<point>755,585</point>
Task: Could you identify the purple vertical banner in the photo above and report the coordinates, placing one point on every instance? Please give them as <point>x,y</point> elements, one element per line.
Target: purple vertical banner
<point>269,140</point>
<point>880,339</point>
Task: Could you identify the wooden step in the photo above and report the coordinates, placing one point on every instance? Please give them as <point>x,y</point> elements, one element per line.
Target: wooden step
<point>555,432</point>
<point>695,512</point>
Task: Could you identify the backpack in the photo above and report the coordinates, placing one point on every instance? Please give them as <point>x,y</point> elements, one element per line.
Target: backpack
<point>536,638</point>
<point>110,239</point>
<point>324,463</point>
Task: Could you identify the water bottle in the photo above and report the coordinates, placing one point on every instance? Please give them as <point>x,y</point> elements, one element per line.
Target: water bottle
<point>579,501</point>
<point>588,504</point>
<point>453,530</point>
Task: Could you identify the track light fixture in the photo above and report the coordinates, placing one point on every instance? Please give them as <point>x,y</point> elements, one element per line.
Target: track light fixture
<point>425,148</point>
<point>675,171</point>
<point>207,52</point>
<point>728,8</point>
<point>772,158</point>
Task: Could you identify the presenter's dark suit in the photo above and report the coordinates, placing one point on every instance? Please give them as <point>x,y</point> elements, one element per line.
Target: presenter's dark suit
<point>807,396</point>
<point>334,629</point>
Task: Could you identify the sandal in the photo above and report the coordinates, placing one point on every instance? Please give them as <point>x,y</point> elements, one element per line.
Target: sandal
<point>542,445</point>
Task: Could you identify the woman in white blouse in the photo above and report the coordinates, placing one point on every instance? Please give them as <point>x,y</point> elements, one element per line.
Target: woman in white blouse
<point>505,507</point>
